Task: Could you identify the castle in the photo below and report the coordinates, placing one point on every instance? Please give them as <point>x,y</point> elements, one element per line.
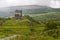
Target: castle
<point>18,14</point>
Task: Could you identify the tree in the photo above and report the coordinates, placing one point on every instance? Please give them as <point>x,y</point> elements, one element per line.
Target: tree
<point>51,25</point>
<point>51,28</point>
<point>31,19</point>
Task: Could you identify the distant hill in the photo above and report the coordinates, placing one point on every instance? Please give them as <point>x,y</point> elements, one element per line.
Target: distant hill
<point>9,11</point>
<point>48,16</point>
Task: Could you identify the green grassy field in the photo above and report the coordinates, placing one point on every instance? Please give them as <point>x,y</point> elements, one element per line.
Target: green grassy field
<point>30,29</point>
<point>11,30</point>
<point>6,31</point>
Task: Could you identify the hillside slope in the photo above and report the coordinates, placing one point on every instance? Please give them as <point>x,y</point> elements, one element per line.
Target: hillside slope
<point>47,16</point>
<point>27,9</point>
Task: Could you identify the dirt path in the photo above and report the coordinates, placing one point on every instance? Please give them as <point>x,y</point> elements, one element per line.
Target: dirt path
<point>11,37</point>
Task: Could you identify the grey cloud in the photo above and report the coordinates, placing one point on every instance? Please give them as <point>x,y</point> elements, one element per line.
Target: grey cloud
<point>23,2</point>
<point>6,3</point>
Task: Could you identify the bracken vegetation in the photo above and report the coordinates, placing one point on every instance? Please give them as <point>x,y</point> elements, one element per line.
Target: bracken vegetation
<point>30,28</point>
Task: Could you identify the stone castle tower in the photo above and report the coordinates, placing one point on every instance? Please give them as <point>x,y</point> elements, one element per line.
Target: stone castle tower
<point>18,14</point>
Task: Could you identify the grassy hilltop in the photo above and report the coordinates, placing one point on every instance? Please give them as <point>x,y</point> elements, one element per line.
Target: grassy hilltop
<point>32,27</point>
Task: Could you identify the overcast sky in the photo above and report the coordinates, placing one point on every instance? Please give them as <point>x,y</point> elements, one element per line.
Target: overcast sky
<point>51,3</point>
